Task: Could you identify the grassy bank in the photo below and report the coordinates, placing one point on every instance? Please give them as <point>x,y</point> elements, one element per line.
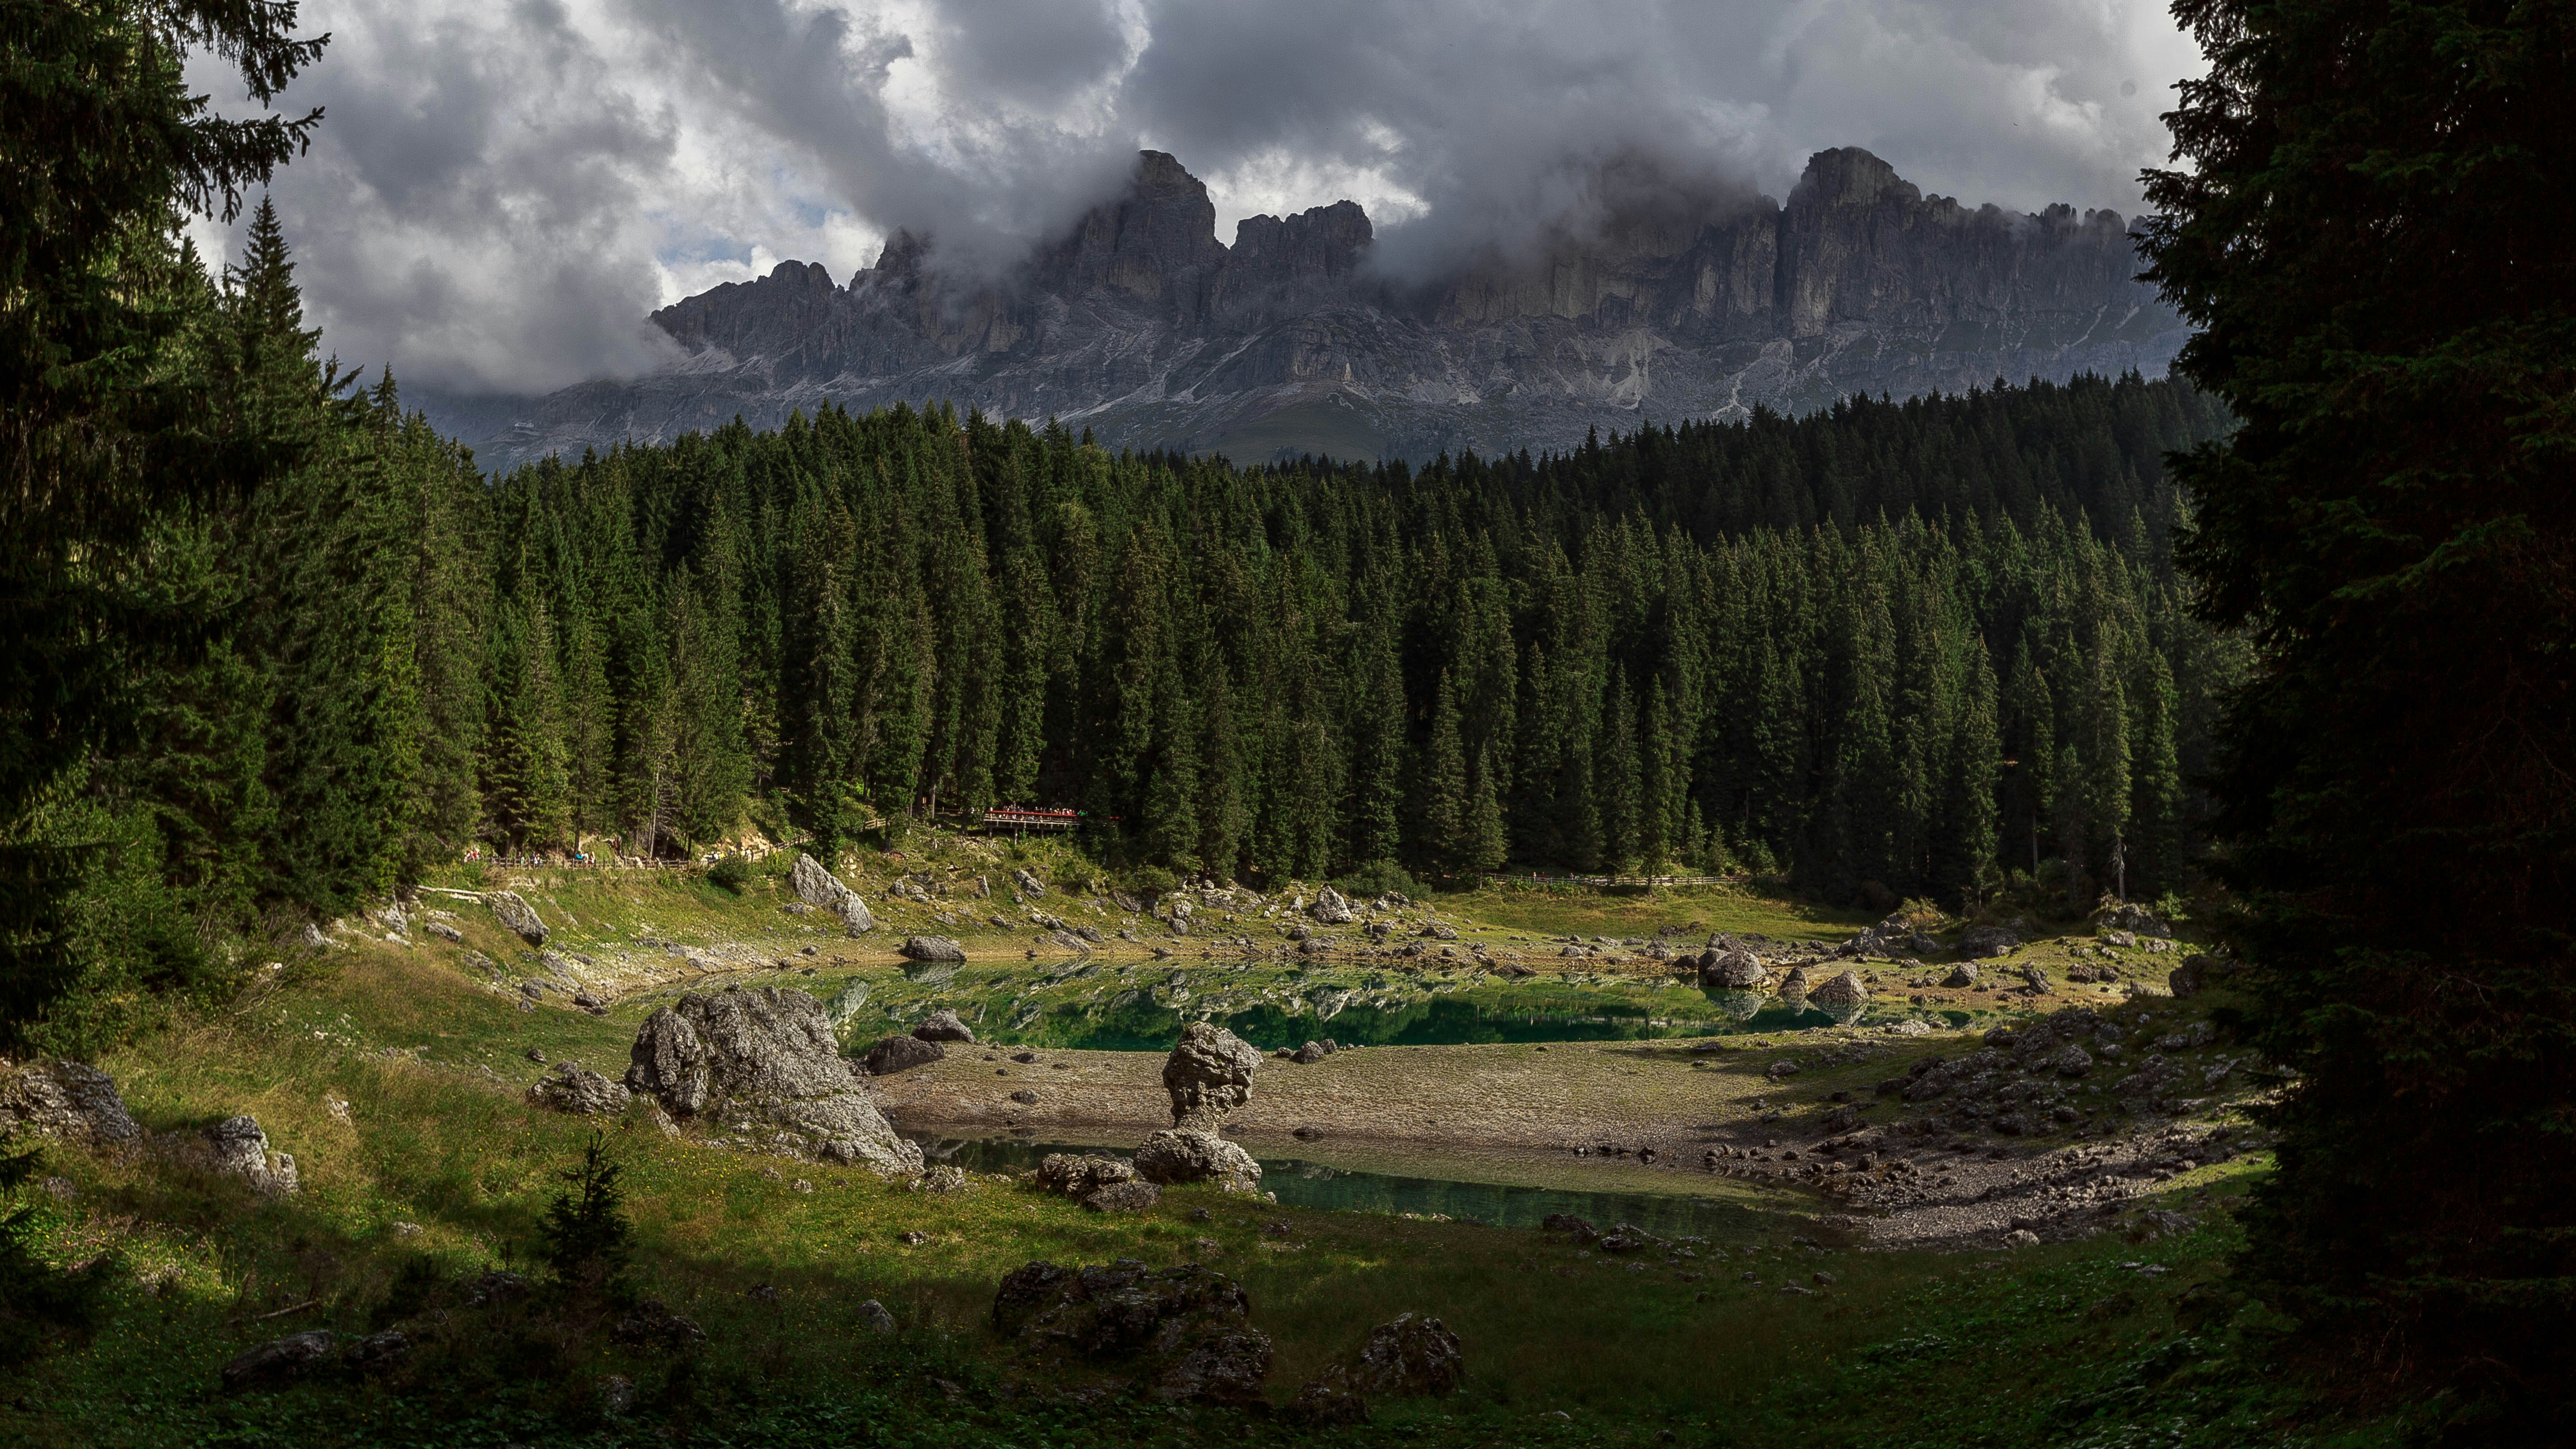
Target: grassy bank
<point>396,1075</point>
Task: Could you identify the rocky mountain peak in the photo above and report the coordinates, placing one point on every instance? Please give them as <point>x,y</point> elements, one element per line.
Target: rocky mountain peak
<point>1664,302</point>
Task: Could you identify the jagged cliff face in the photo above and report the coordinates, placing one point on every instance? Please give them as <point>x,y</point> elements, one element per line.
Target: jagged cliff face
<point>1142,326</point>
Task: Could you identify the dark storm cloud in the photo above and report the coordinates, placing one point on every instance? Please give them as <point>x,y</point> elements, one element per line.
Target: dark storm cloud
<point>502,192</point>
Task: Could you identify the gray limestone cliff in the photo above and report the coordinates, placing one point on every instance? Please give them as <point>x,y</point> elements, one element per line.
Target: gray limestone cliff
<point>1141,325</point>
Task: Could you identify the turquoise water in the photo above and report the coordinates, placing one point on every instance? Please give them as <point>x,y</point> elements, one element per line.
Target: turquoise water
<point>1301,1183</point>
<point>1135,1022</point>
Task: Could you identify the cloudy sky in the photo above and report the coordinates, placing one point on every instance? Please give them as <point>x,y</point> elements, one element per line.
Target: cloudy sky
<point>503,188</point>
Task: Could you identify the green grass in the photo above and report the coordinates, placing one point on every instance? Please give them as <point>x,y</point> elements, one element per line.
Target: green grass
<point>1692,913</point>
<point>395,1077</point>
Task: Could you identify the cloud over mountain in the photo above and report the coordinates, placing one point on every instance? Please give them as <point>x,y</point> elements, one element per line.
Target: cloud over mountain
<point>501,192</point>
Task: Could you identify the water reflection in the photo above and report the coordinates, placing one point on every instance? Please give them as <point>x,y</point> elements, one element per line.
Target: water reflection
<point>1303,1183</point>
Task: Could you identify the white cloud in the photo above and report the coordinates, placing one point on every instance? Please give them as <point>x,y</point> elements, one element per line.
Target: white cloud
<point>501,192</point>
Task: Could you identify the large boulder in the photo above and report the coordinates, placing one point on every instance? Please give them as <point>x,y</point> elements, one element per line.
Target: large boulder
<point>1331,909</point>
<point>765,1056</point>
<point>824,891</point>
<point>943,1025</point>
<point>1841,992</point>
<point>1795,986</point>
<point>572,1088</point>
<point>1028,883</point>
<point>901,1054</point>
<point>1208,1074</point>
<point>65,1099</point>
<point>1186,1331</point>
<point>1412,1355</point>
<point>1175,1157</point>
<point>1732,969</point>
<point>931,948</point>
<point>514,912</point>
<point>1980,941</point>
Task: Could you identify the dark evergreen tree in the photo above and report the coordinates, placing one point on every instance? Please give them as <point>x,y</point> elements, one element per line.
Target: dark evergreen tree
<point>2372,231</point>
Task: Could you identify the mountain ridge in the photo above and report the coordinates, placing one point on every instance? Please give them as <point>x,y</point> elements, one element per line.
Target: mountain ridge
<point>1140,324</point>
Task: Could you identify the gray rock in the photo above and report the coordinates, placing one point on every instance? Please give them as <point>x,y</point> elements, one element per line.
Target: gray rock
<point>496,1285</point>
<point>516,914</point>
<point>1208,1074</point>
<point>1123,1197</point>
<point>65,1099</point>
<point>377,1351</point>
<point>616,1395</point>
<point>570,1088</point>
<point>1795,986</point>
<point>281,1360</point>
<point>1185,1330</point>
<point>1028,883</point>
<point>654,1326</point>
<point>1980,941</point>
<point>1180,1156</point>
<point>1411,1356</point>
<point>824,891</point>
<point>768,1055</point>
<point>2074,1061</point>
<point>1732,969</point>
<point>2128,917</point>
<point>931,948</point>
<point>873,1317</point>
<point>943,1025</point>
<point>1844,990</point>
<point>1961,977</point>
<point>237,1148</point>
<point>446,932</point>
<point>1331,909</point>
<point>1308,1055</point>
<point>1081,1175</point>
<point>902,1053</point>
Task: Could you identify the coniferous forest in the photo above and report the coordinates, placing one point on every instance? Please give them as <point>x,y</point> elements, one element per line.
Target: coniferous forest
<point>1888,651</point>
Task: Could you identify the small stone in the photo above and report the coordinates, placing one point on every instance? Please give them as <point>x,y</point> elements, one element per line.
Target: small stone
<point>874,1318</point>
<point>281,1360</point>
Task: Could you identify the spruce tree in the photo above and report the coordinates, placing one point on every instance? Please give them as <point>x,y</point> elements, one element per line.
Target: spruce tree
<point>1444,803</point>
<point>2371,231</point>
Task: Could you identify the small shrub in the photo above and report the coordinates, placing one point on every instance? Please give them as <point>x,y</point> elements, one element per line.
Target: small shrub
<point>1378,878</point>
<point>1150,880</point>
<point>732,873</point>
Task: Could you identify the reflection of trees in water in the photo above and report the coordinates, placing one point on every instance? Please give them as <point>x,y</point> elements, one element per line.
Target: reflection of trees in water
<point>1125,1024</point>
<point>1135,1020</point>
